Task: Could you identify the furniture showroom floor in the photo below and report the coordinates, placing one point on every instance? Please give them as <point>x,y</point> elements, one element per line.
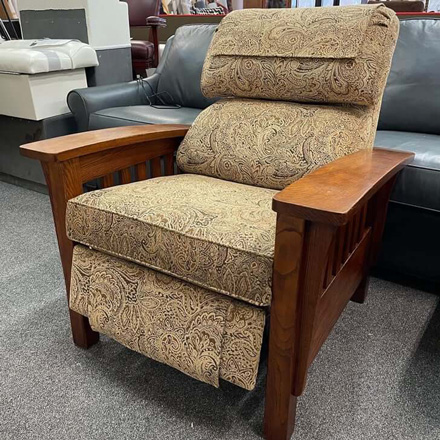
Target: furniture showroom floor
<point>377,377</point>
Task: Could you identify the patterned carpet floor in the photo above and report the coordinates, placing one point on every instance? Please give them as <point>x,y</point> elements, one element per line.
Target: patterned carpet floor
<point>377,377</point>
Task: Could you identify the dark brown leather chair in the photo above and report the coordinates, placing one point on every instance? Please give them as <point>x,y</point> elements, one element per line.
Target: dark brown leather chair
<point>145,54</point>
<point>402,5</point>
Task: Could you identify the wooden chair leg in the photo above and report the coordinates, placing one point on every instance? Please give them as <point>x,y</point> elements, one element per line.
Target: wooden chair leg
<point>302,251</point>
<point>82,333</point>
<point>360,295</point>
<point>280,410</point>
<point>63,185</point>
<point>280,424</point>
<point>156,46</point>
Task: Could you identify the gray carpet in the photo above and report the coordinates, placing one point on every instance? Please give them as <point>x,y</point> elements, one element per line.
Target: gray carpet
<point>377,377</point>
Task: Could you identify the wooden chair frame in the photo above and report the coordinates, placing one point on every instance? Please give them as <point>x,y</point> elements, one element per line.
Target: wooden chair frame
<point>329,227</point>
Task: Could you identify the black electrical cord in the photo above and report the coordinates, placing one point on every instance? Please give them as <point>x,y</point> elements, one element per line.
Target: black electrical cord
<point>162,104</point>
<point>9,19</point>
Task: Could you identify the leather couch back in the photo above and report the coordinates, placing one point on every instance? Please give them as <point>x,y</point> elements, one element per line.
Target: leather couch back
<point>411,100</point>
<point>182,68</point>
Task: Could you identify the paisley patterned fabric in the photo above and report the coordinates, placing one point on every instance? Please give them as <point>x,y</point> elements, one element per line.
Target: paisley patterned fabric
<point>201,333</point>
<point>339,56</point>
<point>272,144</point>
<point>213,233</point>
<point>331,55</point>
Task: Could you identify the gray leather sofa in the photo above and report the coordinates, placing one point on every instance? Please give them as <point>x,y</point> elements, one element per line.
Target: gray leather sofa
<point>409,120</point>
<point>176,81</point>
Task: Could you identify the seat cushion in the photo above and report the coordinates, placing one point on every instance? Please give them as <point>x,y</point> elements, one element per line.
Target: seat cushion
<point>213,233</point>
<point>140,115</point>
<point>419,182</point>
<point>142,50</point>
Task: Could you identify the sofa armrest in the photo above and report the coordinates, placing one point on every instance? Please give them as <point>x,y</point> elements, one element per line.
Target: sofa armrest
<point>334,192</point>
<point>84,102</point>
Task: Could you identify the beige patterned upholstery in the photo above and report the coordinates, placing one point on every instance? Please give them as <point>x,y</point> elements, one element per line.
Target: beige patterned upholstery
<point>213,233</point>
<point>201,333</point>
<point>168,254</point>
<point>339,56</point>
<point>333,55</point>
<point>272,144</point>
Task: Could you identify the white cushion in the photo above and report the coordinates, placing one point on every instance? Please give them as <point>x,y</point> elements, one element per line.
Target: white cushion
<point>42,56</point>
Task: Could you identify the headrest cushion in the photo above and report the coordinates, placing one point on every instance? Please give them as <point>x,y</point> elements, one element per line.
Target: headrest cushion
<point>325,55</point>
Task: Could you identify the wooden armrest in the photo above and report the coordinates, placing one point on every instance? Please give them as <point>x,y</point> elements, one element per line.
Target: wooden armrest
<point>154,21</point>
<point>76,145</point>
<point>332,193</point>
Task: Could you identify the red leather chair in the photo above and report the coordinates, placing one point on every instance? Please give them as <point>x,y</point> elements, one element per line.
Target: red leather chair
<point>145,54</point>
<point>402,5</point>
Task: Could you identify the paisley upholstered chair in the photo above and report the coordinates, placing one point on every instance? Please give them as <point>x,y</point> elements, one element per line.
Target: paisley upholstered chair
<point>275,206</point>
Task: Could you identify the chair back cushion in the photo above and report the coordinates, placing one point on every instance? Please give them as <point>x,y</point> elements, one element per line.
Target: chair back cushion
<point>411,100</point>
<point>303,88</point>
<point>181,71</point>
<point>140,10</point>
<point>272,144</point>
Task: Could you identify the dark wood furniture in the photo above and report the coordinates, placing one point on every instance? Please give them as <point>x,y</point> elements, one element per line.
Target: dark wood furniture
<point>145,54</point>
<point>402,5</point>
<point>329,229</point>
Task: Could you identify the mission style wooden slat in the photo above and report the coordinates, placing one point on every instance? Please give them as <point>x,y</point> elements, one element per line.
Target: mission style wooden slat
<point>330,263</point>
<point>328,233</point>
<point>169,164</point>
<point>125,176</point>
<point>340,239</point>
<point>107,181</point>
<point>156,170</point>
<point>141,171</point>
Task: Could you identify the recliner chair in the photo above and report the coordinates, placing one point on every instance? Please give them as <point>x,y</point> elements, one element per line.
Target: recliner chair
<point>176,81</point>
<point>186,267</point>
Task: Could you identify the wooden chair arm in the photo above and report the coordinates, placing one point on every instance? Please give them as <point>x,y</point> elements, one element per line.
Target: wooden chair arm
<point>155,21</point>
<point>82,144</point>
<point>334,192</point>
<point>108,157</point>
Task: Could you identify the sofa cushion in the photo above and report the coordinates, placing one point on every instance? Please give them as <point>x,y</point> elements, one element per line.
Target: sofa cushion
<point>272,144</point>
<point>419,183</point>
<point>140,115</point>
<point>411,101</point>
<point>213,233</point>
<point>199,332</point>
<point>182,67</point>
<point>303,55</point>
